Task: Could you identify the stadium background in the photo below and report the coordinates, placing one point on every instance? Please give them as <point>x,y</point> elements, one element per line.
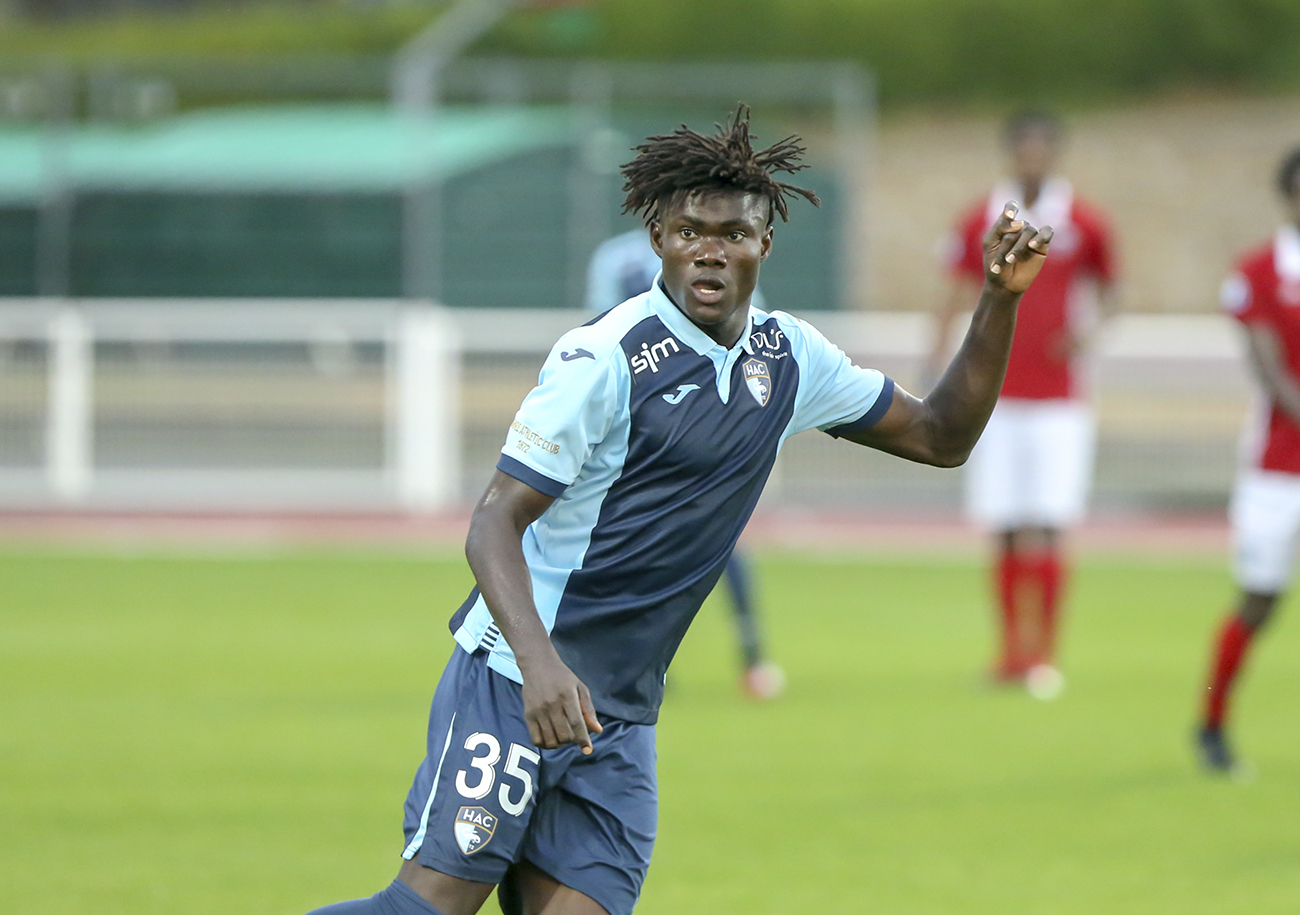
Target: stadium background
<point>215,221</point>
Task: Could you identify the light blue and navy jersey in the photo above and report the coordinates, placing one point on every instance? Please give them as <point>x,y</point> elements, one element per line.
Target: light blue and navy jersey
<point>655,442</point>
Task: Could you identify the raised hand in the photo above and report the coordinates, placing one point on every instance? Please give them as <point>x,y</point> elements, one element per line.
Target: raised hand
<point>1014,251</point>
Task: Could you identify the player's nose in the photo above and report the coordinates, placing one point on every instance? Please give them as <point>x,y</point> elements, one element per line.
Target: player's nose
<point>711,253</point>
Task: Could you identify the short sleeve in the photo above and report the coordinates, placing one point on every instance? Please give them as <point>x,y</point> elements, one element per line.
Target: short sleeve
<point>1237,298</point>
<point>564,418</point>
<point>1099,247</point>
<point>962,251</point>
<point>835,395</point>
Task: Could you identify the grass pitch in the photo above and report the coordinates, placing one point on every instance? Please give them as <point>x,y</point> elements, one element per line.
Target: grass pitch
<point>237,735</point>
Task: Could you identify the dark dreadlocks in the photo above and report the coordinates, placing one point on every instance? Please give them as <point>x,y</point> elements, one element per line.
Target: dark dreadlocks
<point>685,161</point>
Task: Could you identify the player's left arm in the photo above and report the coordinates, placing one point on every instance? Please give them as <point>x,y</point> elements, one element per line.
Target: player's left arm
<point>943,428</point>
<point>1268,362</point>
<point>557,705</point>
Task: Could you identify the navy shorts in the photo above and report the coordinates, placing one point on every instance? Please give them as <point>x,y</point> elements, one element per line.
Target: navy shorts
<point>485,797</point>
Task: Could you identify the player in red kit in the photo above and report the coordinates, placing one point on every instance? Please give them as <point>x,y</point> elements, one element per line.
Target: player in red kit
<point>1264,295</point>
<point>1028,478</point>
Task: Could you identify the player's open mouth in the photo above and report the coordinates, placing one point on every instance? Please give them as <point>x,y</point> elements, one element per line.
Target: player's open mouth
<point>708,291</point>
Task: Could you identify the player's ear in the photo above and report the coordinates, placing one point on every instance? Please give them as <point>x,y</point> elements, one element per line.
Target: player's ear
<point>767,242</point>
<point>657,236</point>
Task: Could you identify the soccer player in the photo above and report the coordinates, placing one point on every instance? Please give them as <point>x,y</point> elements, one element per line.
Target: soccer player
<point>625,266</point>
<point>1264,295</point>
<point>625,480</point>
<point>1028,478</point>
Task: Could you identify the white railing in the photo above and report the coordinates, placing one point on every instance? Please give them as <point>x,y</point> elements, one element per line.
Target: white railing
<point>417,412</point>
<point>385,405</point>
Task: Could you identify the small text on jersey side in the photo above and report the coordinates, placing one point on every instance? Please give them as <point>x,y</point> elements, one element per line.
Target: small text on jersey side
<point>532,438</point>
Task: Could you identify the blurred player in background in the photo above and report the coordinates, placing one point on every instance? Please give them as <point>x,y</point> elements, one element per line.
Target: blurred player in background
<point>1028,478</point>
<point>624,482</point>
<point>1264,295</point>
<point>626,266</point>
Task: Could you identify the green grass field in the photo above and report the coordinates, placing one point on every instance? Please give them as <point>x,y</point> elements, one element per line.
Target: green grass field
<point>237,735</point>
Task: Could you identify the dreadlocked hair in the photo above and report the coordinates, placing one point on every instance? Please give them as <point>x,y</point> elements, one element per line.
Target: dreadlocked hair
<point>685,161</point>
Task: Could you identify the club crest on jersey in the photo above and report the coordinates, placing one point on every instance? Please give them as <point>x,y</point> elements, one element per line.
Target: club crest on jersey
<point>474,828</point>
<point>758,380</point>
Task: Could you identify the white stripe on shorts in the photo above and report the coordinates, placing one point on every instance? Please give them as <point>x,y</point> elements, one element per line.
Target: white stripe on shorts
<point>418,839</point>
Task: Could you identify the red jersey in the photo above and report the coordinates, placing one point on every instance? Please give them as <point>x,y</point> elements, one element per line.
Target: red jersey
<point>1040,368</point>
<point>1265,292</point>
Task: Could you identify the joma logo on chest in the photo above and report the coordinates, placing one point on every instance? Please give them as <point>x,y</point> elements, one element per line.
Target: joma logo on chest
<point>651,356</point>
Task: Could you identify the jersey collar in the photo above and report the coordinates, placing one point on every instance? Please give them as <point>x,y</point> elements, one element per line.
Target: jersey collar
<point>685,330</point>
<point>1052,208</point>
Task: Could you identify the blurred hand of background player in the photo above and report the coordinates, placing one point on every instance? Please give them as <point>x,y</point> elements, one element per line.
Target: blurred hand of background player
<point>1014,251</point>
<point>1074,343</point>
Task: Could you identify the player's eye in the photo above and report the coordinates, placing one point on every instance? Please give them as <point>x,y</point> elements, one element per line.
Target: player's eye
<point>687,233</point>
<point>737,236</point>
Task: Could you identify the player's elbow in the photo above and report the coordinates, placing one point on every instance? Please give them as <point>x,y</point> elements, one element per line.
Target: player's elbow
<point>931,455</point>
<point>929,444</point>
<point>948,443</point>
<point>949,451</point>
<point>950,458</point>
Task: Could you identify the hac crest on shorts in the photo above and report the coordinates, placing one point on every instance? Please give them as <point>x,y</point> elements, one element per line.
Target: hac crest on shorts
<point>758,380</point>
<point>474,828</point>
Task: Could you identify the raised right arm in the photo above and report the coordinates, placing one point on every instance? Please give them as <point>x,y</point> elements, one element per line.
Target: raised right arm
<point>943,428</point>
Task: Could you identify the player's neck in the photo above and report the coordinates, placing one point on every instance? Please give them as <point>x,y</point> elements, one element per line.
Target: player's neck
<point>726,333</point>
<point>1032,192</point>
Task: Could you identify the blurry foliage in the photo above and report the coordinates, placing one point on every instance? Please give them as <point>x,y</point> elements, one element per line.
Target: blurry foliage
<point>212,28</point>
<point>970,49</point>
<point>922,50</point>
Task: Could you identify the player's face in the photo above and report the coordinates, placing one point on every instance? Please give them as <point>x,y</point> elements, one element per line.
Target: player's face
<point>1033,155</point>
<point>712,244</point>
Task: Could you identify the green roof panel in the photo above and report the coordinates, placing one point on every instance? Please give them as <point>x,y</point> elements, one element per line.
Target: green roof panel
<point>321,148</point>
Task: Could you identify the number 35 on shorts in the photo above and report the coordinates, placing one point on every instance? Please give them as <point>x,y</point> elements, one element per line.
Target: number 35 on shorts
<point>486,776</point>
